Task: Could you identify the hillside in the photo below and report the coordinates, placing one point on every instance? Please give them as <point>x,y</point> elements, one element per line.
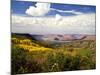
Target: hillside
<point>25,41</point>
<point>29,55</point>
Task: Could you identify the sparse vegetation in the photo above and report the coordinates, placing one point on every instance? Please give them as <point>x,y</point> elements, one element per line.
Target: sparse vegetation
<point>31,56</point>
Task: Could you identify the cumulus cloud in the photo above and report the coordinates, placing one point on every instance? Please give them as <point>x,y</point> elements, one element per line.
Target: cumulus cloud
<point>58,17</point>
<point>80,24</point>
<point>40,9</point>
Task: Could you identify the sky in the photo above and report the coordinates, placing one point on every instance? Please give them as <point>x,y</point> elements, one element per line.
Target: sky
<point>52,18</point>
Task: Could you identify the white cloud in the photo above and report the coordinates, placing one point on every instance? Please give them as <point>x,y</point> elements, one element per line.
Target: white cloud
<point>71,11</point>
<point>40,9</point>
<point>80,24</point>
<point>58,17</point>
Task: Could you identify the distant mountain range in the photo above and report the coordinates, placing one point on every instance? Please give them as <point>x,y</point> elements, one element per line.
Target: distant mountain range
<point>56,37</point>
<point>66,37</point>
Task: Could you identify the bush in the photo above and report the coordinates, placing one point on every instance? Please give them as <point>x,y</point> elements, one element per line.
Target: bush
<point>47,58</point>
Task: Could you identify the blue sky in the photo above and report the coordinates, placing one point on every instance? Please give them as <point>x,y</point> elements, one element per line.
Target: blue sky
<point>19,8</point>
<point>52,18</point>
